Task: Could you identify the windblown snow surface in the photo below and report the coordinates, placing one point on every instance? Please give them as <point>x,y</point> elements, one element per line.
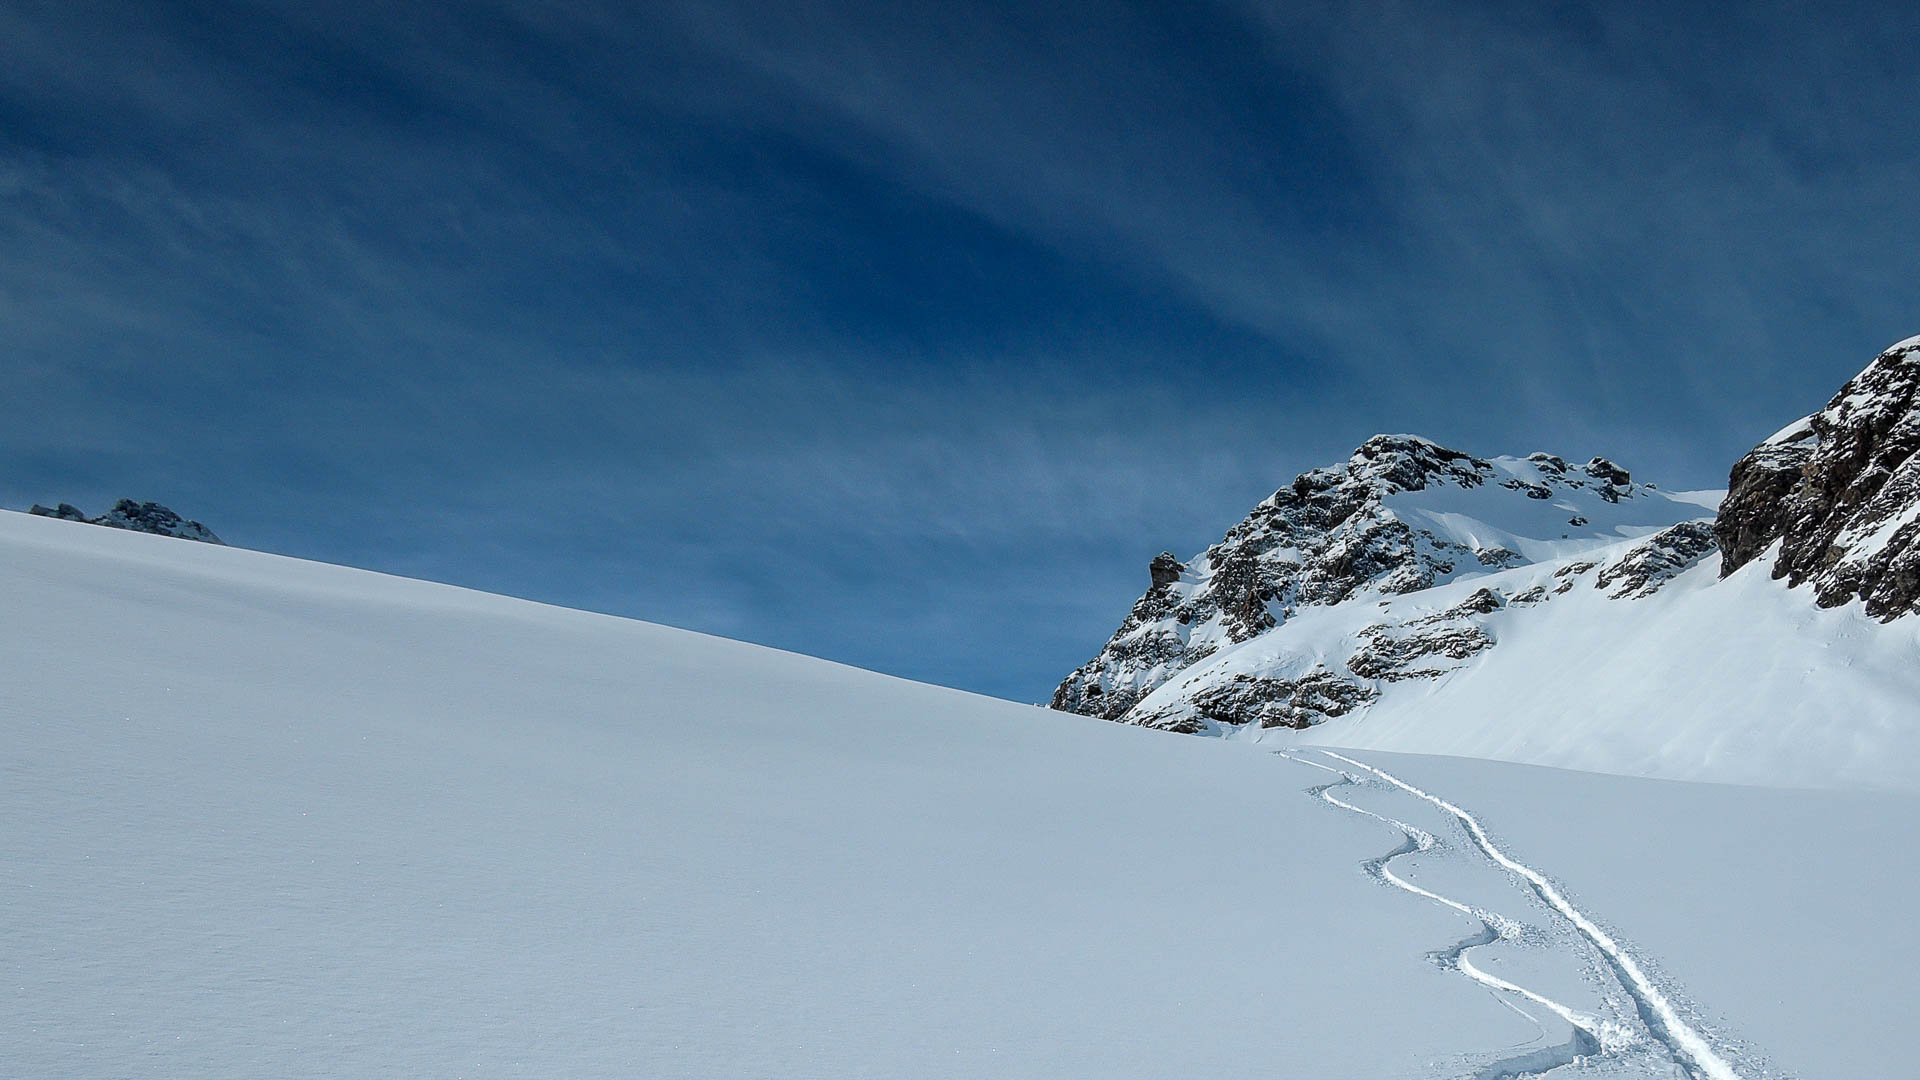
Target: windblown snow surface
<point>261,817</point>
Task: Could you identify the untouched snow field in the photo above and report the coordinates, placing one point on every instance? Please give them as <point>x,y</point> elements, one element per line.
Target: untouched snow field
<point>260,817</point>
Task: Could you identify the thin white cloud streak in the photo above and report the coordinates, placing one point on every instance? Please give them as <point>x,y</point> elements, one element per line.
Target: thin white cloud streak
<point>1561,243</point>
<point>1556,201</point>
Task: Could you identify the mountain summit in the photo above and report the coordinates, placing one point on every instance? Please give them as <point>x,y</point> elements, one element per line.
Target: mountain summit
<point>1418,598</point>
<point>1402,515</point>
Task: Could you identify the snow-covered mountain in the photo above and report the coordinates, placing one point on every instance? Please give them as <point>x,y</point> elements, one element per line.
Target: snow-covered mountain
<point>1534,610</point>
<point>1402,516</point>
<point>146,517</point>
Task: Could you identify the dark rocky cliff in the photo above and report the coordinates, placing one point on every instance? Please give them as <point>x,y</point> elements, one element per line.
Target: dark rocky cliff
<point>1839,491</point>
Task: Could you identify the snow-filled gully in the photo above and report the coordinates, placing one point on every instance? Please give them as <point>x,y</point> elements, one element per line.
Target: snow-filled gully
<point>1591,1036</point>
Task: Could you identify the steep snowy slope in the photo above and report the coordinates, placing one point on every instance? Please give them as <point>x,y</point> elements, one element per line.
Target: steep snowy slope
<point>1738,680</point>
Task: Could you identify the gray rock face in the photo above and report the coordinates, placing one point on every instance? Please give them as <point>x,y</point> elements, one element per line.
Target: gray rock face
<point>146,517</point>
<point>1314,542</point>
<point>1840,492</point>
<point>1165,569</point>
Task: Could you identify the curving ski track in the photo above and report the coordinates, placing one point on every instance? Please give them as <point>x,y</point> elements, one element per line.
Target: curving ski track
<point>1591,1035</point>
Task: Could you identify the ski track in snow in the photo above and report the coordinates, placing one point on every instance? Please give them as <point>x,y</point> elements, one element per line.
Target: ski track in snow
<point>1591,1035</point>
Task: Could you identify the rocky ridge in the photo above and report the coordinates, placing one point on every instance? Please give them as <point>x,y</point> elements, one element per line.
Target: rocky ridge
<point>146,517</point>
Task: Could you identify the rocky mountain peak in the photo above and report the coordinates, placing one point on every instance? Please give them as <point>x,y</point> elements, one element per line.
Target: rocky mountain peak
<point>1839,491</point>
<point>1379,523</point>
<point>1388,464</point>
<point>146,517</point>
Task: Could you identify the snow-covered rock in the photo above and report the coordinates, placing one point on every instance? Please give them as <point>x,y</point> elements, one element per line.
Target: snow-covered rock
<point>1840,492</point>
<point>1403,515</point>
<point>146,517</point>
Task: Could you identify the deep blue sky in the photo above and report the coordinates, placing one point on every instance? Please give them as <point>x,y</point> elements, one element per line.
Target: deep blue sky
<point>905,334</point>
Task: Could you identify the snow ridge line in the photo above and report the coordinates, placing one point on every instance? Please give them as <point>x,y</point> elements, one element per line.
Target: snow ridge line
<point>1687,1044</point>
<point>1591,1034</point>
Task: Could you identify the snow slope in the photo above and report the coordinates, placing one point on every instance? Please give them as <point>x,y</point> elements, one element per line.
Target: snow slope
<point>260,817</point>
<point>1738,680</point>
<point>1785,915</point>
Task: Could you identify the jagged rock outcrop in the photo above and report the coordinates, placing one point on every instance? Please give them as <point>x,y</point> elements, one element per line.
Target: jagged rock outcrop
<point>1424,647</point>
<point>1656,560</point>
<point>1266,702</point>
<point>146,517</point>
<point>1839,491</point>
<point>1335,534</point>
<point>1420,648</point>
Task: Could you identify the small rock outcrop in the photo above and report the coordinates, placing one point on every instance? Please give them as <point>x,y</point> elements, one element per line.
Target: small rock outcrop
<point>1656,560</point>
<point>1839,491</point>
<point>1421,648</point>
<point>64,512</point>
<point>1265,701</point>
<point>146,517</point>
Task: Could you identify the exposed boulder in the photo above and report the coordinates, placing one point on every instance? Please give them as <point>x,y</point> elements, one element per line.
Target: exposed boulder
<point>1602,469</point>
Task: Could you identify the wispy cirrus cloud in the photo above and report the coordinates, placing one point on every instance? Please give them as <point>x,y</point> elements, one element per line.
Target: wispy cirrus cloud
<point>905,333</point>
